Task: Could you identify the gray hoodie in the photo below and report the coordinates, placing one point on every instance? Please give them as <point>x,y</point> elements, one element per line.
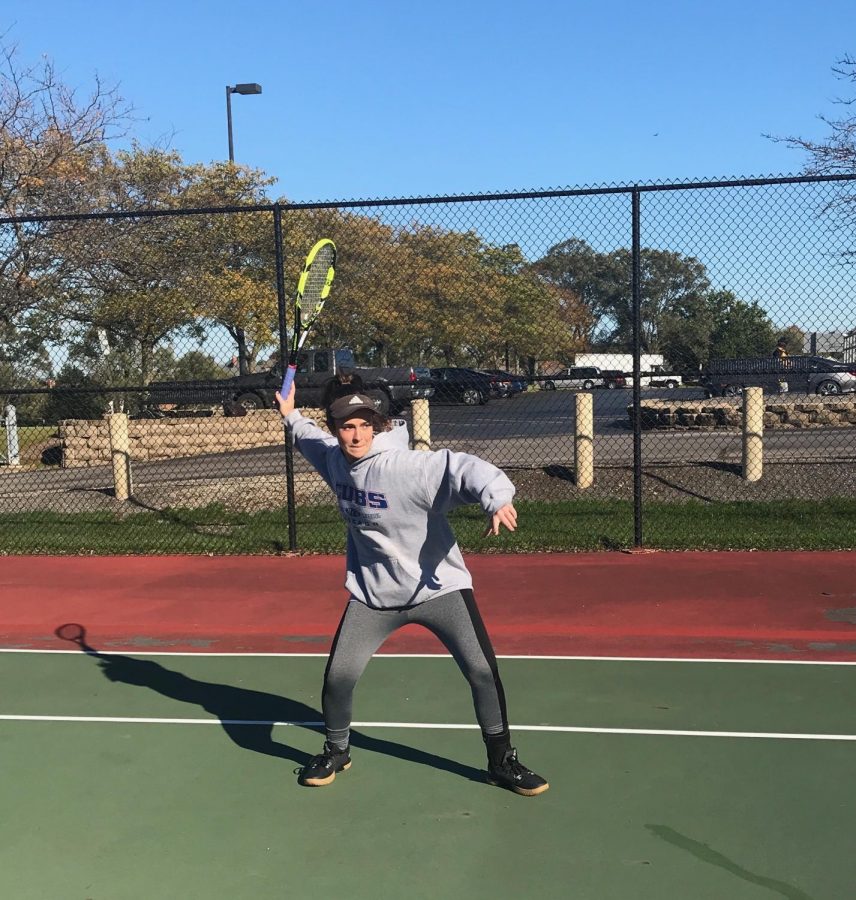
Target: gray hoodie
<point>401,548</point>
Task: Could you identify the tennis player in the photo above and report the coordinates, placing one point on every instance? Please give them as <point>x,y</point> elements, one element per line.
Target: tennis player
<point>404,566</point>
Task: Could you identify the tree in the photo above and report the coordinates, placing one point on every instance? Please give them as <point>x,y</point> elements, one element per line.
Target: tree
<point>602,281</point>
<point>373,307</point>
<point>667,280</point>
<point>686,333</point>
<point>715,325</point>
<point>146,280</point>
<point>65,404</point>
<point>740,328</point>
<point>793,338</point>
<point>473,300</point>
<point>52,153</point>
<point>537,319</point>
<point>135,282</point>
<point>836,155</point>
<point>455,290</point>
<point>577,269</point>
<point>236,285</point>
<point>423,294</point>
<point>196,365</point>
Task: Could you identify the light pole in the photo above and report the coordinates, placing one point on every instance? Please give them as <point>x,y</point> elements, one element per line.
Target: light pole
<point>237,89</point>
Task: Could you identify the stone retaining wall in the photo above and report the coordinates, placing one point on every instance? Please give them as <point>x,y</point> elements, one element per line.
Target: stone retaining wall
<point>727,412</point>
<point>86,442</point>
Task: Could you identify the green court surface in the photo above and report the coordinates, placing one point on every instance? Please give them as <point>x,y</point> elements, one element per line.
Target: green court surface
<point>141,781</point>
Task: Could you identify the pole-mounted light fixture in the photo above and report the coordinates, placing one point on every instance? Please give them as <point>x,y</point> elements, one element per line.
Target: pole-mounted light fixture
<point>237,89</point>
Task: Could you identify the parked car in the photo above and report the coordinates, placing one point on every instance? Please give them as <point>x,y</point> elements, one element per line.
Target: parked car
<point>653,379</point>
<point>585,377</point>
<point>505,384</point>
<point>462,385</point>
<point>794,374</point>
<point>614,378</point>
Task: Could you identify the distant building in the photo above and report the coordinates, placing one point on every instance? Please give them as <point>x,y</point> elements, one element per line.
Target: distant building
<point>830,344</point>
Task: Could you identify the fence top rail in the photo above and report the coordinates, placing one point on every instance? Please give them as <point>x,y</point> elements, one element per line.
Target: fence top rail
<point>576,192</point>
<point>450,198</point>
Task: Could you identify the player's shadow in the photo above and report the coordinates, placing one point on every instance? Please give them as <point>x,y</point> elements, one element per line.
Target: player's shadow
<point>248,716</point>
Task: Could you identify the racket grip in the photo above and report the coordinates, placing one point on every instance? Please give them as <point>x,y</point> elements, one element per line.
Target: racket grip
<point>288,381</point>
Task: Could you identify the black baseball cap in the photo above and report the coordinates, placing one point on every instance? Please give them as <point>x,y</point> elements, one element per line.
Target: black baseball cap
<point>350,405</point>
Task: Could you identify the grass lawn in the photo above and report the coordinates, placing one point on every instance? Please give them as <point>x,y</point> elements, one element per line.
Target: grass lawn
<point>560,526</point>
<point>32,440</point>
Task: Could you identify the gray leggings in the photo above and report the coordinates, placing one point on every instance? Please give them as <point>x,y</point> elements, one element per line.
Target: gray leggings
<point>456,621</point>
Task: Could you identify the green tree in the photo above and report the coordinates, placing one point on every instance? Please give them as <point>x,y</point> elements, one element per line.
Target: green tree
<point>740,328</point>
<point>68,404</point>
<point>686,333</point>
<point>794,339</point>
<point>714,325</point>
<point>580,271</point>
<point>197,365</point>
<point>602,281</point>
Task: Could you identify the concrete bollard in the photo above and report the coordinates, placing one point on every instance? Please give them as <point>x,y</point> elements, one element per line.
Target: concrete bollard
<point>13,450</point>
<point>421,424</point>
<point>584,441</point>
<point>117,428</point>
<point>753,434</point>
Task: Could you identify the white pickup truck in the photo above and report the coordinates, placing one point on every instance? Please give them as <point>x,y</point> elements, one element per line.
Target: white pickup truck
<point>657,379</point>
<point>654,371</point>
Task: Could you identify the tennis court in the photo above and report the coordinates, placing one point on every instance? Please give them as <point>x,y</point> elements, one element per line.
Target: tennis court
<point>160,764</point>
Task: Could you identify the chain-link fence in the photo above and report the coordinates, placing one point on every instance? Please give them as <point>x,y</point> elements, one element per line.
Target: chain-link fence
<point>600,345</point>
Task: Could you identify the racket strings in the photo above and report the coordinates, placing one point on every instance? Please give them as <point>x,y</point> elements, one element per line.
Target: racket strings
<point>319,278</point>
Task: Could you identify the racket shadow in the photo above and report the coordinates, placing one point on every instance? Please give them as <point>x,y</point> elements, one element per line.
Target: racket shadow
<point>248,716</point>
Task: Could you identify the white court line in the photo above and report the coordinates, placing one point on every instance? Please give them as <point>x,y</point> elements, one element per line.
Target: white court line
<point>660,732</point>
<point>666,659</point>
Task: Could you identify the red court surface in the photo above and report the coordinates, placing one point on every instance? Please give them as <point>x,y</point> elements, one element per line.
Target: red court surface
<point>704,605</point>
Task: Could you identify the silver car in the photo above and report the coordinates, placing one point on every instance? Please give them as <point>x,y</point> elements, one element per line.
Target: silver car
<point>581,377</point>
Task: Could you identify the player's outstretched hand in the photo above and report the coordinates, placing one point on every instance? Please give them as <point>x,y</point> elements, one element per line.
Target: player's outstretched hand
<point>506,515</point>
<point>285,404</point>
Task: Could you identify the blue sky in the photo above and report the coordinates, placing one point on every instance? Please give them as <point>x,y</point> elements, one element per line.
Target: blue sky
<point>381,99</point>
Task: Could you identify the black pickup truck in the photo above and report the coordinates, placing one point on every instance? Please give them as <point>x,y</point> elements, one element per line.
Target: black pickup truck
<point>393,387</point>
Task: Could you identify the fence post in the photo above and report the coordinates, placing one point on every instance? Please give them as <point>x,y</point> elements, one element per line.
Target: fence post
<point>753,433</point>
<point>584,441</point>
<point>288,440</point>
<point>117,428</point>
<point>13,450</point>
<point>636,294</point>
<point>421,413</point>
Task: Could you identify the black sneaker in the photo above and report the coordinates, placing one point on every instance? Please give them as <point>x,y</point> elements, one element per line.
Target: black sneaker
<point>512,774</point>
<point>322,769</point>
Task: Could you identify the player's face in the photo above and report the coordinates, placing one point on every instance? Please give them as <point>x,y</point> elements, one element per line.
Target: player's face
<point>355,436</point>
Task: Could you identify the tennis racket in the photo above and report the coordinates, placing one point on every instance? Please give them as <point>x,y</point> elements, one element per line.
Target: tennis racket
<point>313,288</point>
